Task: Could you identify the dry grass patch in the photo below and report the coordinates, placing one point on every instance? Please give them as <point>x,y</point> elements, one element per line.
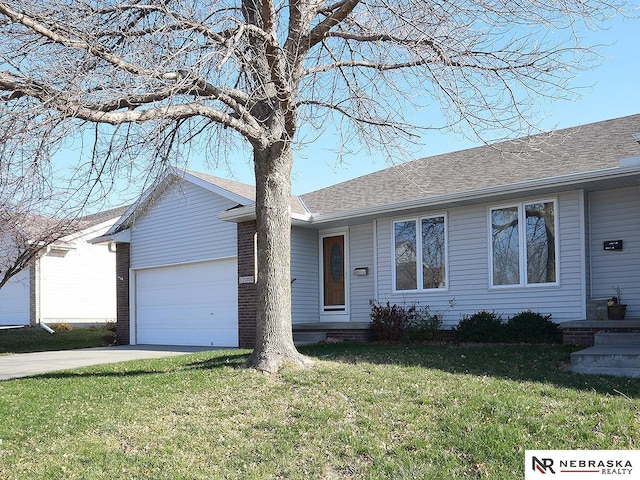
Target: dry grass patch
<point>363,412</point>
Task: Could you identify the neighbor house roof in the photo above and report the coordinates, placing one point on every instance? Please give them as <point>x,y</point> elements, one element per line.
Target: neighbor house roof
<point>40,229</point>
<point>100,217</point>
<point>591,147</point>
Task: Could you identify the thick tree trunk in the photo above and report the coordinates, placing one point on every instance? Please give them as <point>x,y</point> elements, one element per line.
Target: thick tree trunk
<point>274,340</point>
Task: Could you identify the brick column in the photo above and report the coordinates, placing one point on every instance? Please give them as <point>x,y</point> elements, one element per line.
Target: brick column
<point>247,289</point>
<point>123,262</point>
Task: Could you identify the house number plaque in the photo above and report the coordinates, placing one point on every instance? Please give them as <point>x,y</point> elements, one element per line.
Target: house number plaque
<point>247,279</point>
<point>613,245</point>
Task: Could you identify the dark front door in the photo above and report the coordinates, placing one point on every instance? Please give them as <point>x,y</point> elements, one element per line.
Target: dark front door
<point>333,273</point>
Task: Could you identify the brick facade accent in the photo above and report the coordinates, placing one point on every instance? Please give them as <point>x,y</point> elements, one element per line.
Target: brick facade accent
<point>584,335</point>
<point>247,291</point>
<point>581,332</point>
<point>123,262</point>
<point>362,335</point>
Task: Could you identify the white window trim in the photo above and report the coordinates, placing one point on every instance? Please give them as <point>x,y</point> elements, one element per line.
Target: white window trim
<point>328,314</point>
<point>418,221</point>
<point>522,241</point>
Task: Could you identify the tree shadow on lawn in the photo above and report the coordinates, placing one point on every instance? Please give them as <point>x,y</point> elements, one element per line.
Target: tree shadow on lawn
<point>218,361</point>
<point>521,363</point>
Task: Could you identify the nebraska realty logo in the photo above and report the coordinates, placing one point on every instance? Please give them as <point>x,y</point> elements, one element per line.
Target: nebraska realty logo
<point>581,464</point>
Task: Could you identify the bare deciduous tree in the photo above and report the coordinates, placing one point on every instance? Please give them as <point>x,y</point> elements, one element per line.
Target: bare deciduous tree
<point>33,216</point>
<point>164,76</point>
<point>24,235</point>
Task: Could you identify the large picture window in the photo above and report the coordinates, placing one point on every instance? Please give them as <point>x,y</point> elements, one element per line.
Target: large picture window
<point>420,253</point>
<point>523,244</point>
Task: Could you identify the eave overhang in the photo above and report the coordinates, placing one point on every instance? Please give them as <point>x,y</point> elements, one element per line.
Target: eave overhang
<point>123,236</point>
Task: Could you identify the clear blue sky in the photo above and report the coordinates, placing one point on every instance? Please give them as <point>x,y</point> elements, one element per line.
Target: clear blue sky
<point>612,90</point>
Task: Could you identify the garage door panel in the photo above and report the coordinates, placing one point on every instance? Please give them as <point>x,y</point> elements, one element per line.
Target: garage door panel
<point>192,304</point>
<point>15,301</point>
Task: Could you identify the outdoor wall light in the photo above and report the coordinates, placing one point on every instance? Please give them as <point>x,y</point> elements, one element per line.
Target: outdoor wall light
<point>361,271</point>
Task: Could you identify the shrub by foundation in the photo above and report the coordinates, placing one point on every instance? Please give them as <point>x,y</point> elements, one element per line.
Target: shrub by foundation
<point>404,323</point>
<point>388,321</point>
<point>423,327</point>
<point>62,327</point>
<point>482,326</point>
<point>532,327</point>
<point>524,327</point>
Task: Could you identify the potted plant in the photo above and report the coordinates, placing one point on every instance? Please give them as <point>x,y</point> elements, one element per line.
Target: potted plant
<point>616,310</point>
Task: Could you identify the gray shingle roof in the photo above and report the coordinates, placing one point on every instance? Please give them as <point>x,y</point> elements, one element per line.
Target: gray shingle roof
<point>580,149</point>
<point>97,218</point>
<point>237,188</point>
<point>242,189</point>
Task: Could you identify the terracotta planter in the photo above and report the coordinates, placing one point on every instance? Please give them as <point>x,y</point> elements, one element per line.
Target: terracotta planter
<point>616,312</point>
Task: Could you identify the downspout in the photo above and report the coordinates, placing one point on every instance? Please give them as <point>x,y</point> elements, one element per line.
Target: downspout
<point>47,328</point>
<point>375,260</point>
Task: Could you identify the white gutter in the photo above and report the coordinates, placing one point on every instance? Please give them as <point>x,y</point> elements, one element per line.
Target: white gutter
<point>238,214</point>
<point>123,236</point>
<point>248,213</point>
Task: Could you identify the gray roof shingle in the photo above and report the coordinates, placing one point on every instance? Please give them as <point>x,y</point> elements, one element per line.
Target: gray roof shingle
<point>237,188</point>
<point>242,189</point>
<point>579,149</point>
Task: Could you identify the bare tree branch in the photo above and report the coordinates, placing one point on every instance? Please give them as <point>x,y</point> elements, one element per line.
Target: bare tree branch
<point>141,84</point>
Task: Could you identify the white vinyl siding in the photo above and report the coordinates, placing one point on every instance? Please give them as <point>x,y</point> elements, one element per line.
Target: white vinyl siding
<point>14,300</point>
<point>304,269</point>
<point>615,215</point>
<point>182,226</point>
<point>361,287</point>
<point>78,285</point>
<point>468,264</point>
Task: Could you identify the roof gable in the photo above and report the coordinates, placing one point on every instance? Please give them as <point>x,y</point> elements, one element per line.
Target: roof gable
<point>235,191</point>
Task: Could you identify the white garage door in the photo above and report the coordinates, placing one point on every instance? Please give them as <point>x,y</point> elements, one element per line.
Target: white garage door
<point>14,300</point>
<point>195,304</point>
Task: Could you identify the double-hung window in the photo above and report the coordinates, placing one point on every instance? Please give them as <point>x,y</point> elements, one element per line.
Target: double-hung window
<point>420,253</point>
<point>524,244</point>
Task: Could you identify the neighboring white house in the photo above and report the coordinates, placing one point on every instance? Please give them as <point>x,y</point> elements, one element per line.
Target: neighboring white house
<point>72,281</point>
<point>518,225</point>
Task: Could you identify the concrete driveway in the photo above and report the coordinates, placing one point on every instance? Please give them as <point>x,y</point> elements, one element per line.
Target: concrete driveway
<point>29,364</point>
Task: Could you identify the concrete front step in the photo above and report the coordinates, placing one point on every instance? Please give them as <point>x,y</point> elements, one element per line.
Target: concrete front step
<point>613,354</point>
<point>308,338</point>
<point>616,372</point>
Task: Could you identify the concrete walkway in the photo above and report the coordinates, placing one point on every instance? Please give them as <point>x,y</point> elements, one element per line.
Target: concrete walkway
<point>29,364</point>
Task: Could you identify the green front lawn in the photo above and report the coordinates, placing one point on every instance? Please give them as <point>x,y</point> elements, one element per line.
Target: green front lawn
<point>363,411</point>
<point>32,339</point>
